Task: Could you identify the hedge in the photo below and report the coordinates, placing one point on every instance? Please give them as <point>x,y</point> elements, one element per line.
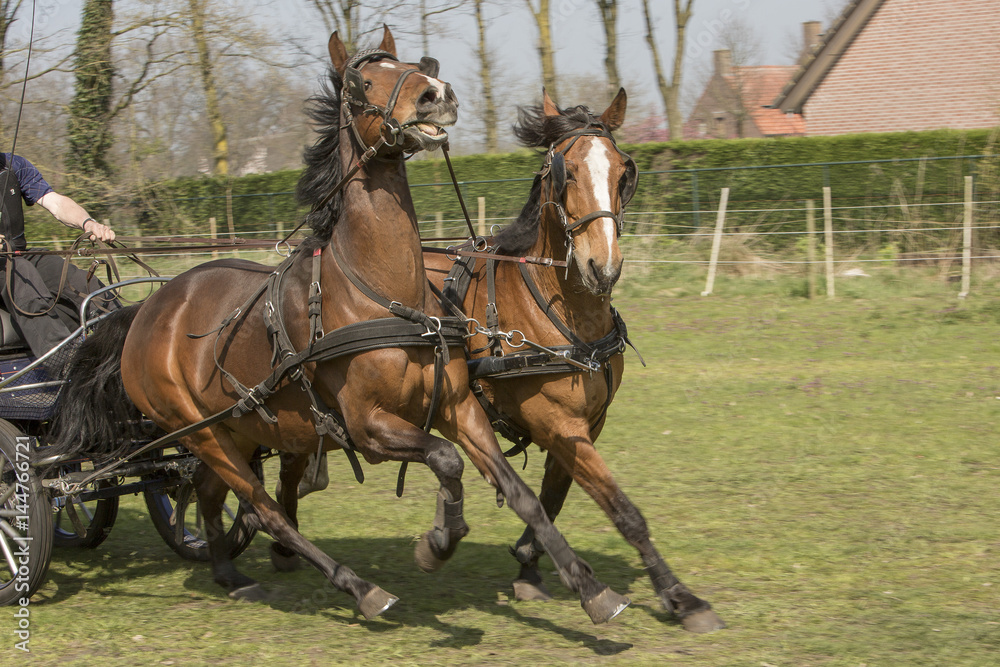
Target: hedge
<point>262,202</point>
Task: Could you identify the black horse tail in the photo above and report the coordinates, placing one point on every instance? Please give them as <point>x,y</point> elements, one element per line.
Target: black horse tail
<point>95,416</point>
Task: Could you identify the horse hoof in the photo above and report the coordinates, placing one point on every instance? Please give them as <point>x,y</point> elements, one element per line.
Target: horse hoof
<point>252,593</point>
<point>605,606</point>
<point>424,555</point>
<point>525,591</point>
<point>703,621</point>
<point>375,602</point>
<point>284,559</point>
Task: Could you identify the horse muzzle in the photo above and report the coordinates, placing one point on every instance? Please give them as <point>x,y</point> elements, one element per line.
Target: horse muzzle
<point>600,280</point>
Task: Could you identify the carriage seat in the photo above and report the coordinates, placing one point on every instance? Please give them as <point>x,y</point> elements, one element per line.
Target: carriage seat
<point>10,337</point>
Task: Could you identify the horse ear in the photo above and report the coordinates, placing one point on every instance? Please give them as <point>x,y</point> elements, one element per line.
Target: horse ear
<point>614,115</point>
<point>388,43</point>
<point>338,52</point>
<point>548,106</point>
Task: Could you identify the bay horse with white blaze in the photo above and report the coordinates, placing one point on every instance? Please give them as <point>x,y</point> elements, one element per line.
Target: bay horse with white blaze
<point>574,212</point>
<point>332,350</point>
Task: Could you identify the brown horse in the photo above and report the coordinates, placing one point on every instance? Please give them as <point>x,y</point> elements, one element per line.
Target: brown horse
<point>331,350</point>
<point>576,202</point>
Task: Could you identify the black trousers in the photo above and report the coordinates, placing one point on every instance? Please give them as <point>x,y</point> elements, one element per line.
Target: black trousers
<point>34,281</point>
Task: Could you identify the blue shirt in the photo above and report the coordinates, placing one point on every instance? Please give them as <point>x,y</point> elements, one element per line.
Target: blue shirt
<point>29,179</point>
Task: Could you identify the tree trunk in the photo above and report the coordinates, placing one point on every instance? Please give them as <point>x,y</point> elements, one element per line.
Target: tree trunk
<point>609,19</point>
<point>220,140</point>
<point>670,93</point>
<point>342,16</point>
<point>545,52</point>
<point>485,76</point>
<point>89,126</point>
<point>8,9</point>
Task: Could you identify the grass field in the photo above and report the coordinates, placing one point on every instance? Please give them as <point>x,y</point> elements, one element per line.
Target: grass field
<point>825,473</point>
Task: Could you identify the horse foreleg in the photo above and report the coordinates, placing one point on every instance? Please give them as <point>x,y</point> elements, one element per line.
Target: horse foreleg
<point>222,456</point>
<point>555,486</point>
<point>472,430</point>
<point>593,476</point>
<point>389,436</point>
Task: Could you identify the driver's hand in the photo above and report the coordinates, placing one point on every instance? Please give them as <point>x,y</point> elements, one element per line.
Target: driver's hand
<point>97,231</point>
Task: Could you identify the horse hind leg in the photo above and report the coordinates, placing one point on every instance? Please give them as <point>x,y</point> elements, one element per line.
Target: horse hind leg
<point>292,469</point>
<point>555,486</point>
<point>236,473</point>
<point>212,492</point>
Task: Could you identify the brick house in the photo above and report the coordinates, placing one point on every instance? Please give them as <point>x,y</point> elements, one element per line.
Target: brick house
<point>897,65</point>
<point>736,99</point>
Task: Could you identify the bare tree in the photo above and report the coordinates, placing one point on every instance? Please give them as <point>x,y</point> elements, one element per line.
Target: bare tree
<point>609,20</point>
<point>352,19</point>
<point>486,79</point>
<point>8,9</point>
<point>90,135</point>
<point>427,14</point>
<point>206,71</point>
<point>342,16</point>
<point>543,21</point>
<point>669,92</point>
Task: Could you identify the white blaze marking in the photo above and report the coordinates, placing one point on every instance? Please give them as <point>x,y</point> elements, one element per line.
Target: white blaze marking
<point>438,84</point>
<point>599,164</point>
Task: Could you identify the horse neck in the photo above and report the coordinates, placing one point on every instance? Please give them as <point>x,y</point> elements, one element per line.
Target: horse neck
<point>586,314</point>
<point>377,232</point>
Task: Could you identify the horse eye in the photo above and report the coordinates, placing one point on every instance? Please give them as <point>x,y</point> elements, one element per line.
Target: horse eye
<point>368,84</point>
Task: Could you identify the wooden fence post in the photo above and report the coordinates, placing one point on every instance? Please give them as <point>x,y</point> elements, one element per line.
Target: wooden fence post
<point>212,231</point>
<point>828,235</point>
<point>720,223</point>
<point>811,246</point>
<point>439,224</point>
<point>967,241</point>
<point>482,216</point>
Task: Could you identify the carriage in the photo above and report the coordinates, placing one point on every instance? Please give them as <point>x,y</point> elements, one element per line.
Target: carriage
<point>42,502</point>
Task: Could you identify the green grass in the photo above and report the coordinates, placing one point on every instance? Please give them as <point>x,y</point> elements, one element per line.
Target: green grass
<point>825,473</point>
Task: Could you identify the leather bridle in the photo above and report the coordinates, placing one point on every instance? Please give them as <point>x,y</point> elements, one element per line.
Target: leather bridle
<point>554,168</point>
<point>355,97</point>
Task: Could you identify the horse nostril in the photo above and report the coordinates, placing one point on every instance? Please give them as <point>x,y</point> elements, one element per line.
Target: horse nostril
<point>428,98</point>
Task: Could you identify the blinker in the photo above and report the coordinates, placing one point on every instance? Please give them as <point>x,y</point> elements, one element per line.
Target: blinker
<point>429,66</point>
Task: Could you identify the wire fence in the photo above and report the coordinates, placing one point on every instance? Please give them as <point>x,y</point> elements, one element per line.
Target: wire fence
<point>901,212</point>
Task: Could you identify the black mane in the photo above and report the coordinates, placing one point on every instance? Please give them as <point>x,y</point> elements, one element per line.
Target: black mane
<point>535,129</point>
<point>322,172</point>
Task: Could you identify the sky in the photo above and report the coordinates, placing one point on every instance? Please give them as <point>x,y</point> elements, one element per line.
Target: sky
<point>579,42</point>
<point>577,34</point>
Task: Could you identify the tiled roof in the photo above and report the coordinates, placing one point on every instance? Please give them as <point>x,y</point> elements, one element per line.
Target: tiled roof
<point>760,85</point>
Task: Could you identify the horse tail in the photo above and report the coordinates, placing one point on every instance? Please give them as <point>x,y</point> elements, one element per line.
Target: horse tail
<point>95,415</point>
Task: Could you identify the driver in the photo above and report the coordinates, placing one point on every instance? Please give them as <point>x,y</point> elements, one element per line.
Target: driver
<point>35,278</point>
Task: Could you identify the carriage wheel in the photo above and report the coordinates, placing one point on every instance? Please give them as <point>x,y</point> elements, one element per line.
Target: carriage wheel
<point>25,520</point>
<point>97,516</point>
<point>177,518</point>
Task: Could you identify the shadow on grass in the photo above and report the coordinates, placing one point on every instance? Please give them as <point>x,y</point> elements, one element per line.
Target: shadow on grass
<point>478,577</point>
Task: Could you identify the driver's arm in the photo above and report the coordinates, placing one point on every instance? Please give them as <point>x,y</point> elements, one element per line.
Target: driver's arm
<point>71,214</point>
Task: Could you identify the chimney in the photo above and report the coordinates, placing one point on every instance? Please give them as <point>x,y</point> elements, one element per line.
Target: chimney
<point>811,35</point>
<point>723,62</point>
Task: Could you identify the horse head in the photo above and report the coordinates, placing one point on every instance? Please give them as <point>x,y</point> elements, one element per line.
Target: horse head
<point>405,103</point>
<point>586,183</point>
